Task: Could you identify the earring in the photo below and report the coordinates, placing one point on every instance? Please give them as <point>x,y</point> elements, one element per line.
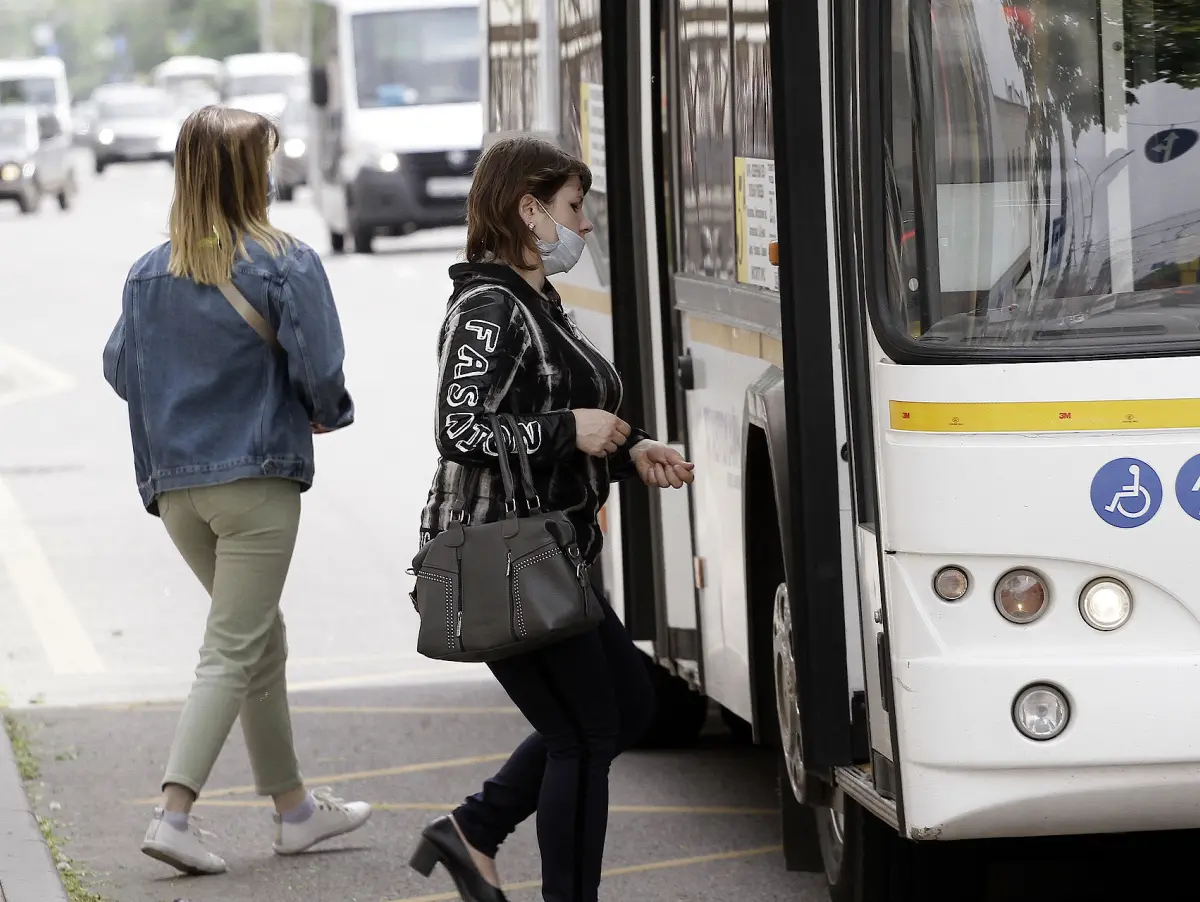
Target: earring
<point>530,224</point>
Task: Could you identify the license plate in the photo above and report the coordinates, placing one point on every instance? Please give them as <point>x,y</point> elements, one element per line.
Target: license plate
<point>448,187</point>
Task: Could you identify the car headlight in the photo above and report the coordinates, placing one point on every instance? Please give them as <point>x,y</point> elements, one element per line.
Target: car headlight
<point>105,136</point>
<point>10,172</point>
<point>388,162</point>
<point>1105,604</point>
<point>293,148</point>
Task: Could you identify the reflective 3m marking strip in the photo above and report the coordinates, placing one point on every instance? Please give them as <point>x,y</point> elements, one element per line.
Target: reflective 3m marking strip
<point>1045,416</point>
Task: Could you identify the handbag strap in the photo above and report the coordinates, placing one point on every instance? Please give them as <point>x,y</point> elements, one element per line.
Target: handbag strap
<point>532,501</point>
<point>247,312</point>
<point>506,477</point>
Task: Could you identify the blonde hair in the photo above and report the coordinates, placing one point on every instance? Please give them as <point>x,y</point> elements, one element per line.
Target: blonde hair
<point>221,184</point>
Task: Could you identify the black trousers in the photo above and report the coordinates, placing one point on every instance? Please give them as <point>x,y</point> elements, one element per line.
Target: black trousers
<point>588,699</point>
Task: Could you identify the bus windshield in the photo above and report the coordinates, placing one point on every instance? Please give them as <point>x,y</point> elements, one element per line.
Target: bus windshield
<point>38,90</point>
<point>1051,196</point>
<point>408,58</point>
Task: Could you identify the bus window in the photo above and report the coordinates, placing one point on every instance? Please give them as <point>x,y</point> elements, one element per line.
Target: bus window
<point>417,57</point>
<point>1055,193</point>
<point>706,140</point>
<point>512,65</point>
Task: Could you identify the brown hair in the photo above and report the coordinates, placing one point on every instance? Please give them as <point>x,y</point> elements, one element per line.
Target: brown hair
<point>221,184</point>
<point>507,171</point>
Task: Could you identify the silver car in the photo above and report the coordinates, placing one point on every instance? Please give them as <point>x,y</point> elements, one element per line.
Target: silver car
<point>35,158</point>
<point>133,123</point>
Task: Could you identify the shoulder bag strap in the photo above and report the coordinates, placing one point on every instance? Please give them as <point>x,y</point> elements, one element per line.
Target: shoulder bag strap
<point>510,491</point>
<point>247,312</point>
<point>532,501</point>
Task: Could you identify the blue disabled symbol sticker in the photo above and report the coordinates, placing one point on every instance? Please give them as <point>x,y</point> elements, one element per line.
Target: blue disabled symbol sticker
<point>1126,492</point>
<point>1187,487</point>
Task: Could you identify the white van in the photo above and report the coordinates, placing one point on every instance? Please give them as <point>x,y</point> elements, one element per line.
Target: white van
<point>264,82</point>
<point>40,83</point>
<point>398,121</point>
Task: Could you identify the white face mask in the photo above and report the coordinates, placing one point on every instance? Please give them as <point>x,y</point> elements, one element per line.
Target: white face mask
<point>559,256</point>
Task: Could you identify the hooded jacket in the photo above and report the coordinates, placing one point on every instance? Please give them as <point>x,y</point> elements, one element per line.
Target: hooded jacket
<point>504,348</point>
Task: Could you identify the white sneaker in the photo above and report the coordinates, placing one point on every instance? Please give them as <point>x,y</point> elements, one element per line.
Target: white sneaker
<point>180,849</point>
<point>332,817</point>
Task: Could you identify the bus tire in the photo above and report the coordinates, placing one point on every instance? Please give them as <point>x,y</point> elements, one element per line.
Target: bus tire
<point>798,826</point>
<point>878,863</point>
<point>680,711</point>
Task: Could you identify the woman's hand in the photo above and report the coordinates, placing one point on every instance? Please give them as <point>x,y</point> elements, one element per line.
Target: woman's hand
<point>598,432</point>
<point>660,466</point>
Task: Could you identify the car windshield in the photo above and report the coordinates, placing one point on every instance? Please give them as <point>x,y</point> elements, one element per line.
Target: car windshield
<point>13,131</point>
<point>39,91</point>
<point>154,107</point>
<point>1049,196</point>
<point>407,58</point>
<point>270,83</point>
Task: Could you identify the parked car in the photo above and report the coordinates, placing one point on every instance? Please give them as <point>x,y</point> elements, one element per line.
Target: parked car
<point>133,123</point>
<point>291,161</point>
<point>35,158</point>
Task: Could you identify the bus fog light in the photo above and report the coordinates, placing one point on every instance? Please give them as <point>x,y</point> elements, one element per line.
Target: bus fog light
<point>1041,712</point>
<point>1105,604</point>
<point>951,584</point>
<point>1021,596</point>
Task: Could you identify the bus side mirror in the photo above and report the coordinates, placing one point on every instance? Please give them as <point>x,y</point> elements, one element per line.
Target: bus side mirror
<point>319,86</point>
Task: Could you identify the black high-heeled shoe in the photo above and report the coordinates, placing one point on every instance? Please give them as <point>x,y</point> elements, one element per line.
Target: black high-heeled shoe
<point>440,843</point>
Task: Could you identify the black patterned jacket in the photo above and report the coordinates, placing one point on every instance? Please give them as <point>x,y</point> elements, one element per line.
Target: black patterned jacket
<point>503,348</point>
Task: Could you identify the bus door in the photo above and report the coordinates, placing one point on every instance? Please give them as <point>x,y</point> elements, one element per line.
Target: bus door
<point>563,70</point>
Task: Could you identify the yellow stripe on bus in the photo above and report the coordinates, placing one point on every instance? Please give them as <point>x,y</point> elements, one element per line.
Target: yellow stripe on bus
<point>1045,416</point>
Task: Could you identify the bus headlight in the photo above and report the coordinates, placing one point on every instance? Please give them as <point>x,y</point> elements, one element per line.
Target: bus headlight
<point>951,584</point>
<point>1021,596</point>
<point>1041,712</point>
<point>105,136</point>
<point>1105,604</point>
<point>388,162</point>
<point>293,148</point>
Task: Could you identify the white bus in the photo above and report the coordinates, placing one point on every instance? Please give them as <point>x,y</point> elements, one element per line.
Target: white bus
<point>188,76</point>
<point>40,82</point>
<point>397,119</point>
<point>264,83</point>
<point>914,284</point>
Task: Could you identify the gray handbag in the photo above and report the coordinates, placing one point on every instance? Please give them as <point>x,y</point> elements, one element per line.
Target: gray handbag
<point>489,591</point>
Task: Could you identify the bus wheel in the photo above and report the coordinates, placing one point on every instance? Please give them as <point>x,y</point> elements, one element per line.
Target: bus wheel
<point>801,845</point>
<point>878,863</point>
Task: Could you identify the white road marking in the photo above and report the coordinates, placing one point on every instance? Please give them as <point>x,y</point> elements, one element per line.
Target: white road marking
<point>63,636</point>
<point>33,377</point>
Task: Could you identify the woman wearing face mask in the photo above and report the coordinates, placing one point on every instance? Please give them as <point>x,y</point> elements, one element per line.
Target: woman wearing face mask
<point>507,347</point>
<point>228,353</point>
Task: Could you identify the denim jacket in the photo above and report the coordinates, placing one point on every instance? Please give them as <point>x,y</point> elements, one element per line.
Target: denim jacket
<point>209,401</point>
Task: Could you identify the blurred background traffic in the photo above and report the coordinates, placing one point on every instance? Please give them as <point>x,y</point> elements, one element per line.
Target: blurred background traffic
<point>377,102</point>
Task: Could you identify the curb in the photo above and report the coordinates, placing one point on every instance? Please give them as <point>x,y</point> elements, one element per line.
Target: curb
<point>27,869</point>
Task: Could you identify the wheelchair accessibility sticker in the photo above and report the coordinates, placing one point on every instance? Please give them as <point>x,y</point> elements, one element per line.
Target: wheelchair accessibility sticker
<point>1187,487</point>
<point>1127,492</point>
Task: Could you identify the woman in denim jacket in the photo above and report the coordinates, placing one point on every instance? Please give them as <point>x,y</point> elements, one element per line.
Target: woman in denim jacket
<point>228,353</point>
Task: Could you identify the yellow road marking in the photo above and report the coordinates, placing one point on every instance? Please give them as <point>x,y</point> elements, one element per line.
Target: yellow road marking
<point>439,806</point>
<point>331,709</point>
<point>1045,416</point>
<point>353,775</point>
<point>618,872</point>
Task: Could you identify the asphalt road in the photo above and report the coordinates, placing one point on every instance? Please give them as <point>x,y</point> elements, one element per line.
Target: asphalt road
<point>100,621</point>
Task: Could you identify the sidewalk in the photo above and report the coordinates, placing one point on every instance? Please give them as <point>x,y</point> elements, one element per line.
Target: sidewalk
<point>27,869</point>
<point>694,825</point>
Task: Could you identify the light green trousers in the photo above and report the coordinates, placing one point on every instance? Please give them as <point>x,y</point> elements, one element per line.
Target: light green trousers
<point>238,539</point>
